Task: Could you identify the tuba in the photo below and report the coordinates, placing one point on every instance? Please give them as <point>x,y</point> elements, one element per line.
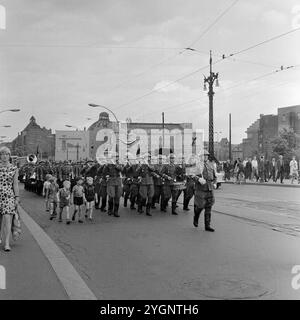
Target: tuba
<point>31,158</point>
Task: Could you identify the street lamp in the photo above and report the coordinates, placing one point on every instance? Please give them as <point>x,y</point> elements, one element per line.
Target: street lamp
<point>11,110</point>
<point>118,124</point>
<point>210,80</point>
<point>69,126</point>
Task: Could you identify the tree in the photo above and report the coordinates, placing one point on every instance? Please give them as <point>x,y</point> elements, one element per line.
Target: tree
<point>285,144</point>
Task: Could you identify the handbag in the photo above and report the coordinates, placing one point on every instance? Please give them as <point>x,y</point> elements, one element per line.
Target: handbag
<point>16,226</point>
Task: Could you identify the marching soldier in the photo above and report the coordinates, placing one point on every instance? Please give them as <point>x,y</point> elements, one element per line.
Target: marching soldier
<point>188,192</point>
<point>112,172</point>
<point>134,185</point>
<point>204,196</point>
<point>146,190</point>
<point>168,173</point>
<point>158,185</point>
<point>101,186</point>
<point>126,183</point>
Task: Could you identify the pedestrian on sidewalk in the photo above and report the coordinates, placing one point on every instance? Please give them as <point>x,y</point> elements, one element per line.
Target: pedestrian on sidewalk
<point>280,169</point>
<point>64,198</point>
<point>9,195</point>
<point>273,170</point>
<point>254,165</point>
<point>293,169</point>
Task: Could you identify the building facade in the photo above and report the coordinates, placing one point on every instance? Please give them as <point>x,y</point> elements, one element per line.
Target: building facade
<point>34,140</point>
<point>289,118</point>
<point>250,144</point>
<point>268,130</point>
<point>71,145</point>
<point>132,139</point>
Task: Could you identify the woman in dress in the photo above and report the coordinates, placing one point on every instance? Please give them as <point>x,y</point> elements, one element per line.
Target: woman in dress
<point>9,194</point>
<point>294,169</point>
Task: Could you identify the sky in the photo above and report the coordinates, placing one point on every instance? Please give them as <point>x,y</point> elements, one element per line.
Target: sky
<point>56,56</point>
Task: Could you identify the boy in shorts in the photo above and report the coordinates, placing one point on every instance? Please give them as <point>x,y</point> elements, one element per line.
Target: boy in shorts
<point>52,195</point>
<point>90,197</point>
<point>77,195</point>
<point>46,186</point>
<point>64,196</point>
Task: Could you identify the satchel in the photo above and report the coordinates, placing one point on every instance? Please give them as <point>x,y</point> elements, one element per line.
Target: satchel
<point>16,226</point>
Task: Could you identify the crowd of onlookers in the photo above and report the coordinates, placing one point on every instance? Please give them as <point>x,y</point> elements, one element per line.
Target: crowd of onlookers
<point>261,170</point>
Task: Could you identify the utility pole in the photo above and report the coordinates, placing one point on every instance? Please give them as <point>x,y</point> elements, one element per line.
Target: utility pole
<point>163,128</point>
<point>230,137</point>
<point>210,80</point>
<point>77,151</point>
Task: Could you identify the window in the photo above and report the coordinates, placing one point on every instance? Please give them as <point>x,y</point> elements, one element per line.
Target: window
<point>283,117</point>
<point>298,115</point>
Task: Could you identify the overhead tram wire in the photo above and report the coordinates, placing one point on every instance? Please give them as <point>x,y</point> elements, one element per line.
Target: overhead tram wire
<point>214,22</point>
<point>180,52</point>
<point>231,87</point>
<point>238,59</point>
<point>202,68</point>
<point>261,43</point>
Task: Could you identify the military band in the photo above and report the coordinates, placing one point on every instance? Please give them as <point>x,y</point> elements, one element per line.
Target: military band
<point>139,181</point>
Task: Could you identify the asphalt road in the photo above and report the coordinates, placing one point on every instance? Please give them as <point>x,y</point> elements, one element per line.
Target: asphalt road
<point>250,255</point>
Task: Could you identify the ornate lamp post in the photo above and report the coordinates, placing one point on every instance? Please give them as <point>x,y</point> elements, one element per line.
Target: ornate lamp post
<point>210,80</point>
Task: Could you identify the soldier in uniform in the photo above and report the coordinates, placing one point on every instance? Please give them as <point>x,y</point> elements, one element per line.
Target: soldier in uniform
<point>101,186</point>
<point>134,185</point>
<point>126,182</point>
<point>158,185</point>
<point>146,190</point>
<point>204,196</point>
<point>168,173</point>
<point>112,172</point>
<point>40,169</point>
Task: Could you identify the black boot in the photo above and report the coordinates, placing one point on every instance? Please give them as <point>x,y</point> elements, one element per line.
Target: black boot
<point>74,215</point>
<point>116,209</point>
<point>186,205</point>
<point>163,205</point>
<point>174,208</point>
<point>132,207</point>
<point>60,216</point>
<point>148,209</point>
<point>140,208</point>
<point>197,212</point>
<point>110,207</point>
<point>125,201</point>
<point>207,218</point>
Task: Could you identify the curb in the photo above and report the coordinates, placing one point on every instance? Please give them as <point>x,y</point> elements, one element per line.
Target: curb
<point>72,282</point>
<point>265,184</point>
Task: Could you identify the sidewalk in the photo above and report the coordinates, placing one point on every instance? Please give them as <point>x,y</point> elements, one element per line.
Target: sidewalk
<point>286,183</point>
<point>29,275</point>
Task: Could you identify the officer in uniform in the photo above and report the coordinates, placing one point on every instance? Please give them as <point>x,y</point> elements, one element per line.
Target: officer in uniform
<point>112,172</point>
<point>168,173</point>
<point>204,196</point>
<point>132,173</point>
<point>158,184</point>
<point>101,186</point>
<point>188,192</point>
<point>146,191</point>
<point>126,182</point>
